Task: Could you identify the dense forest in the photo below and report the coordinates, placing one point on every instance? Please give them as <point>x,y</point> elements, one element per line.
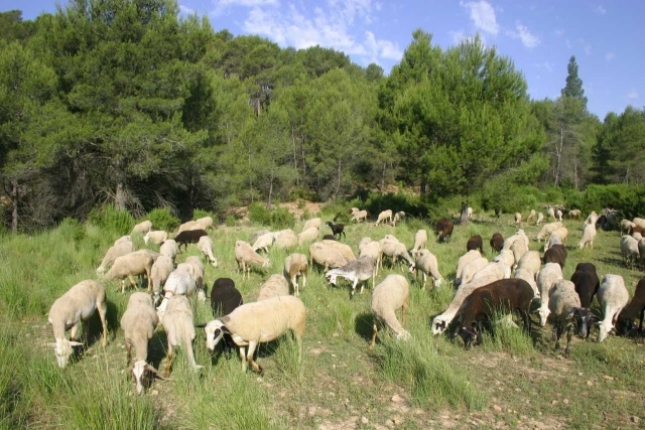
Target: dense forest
<point>127,102</point>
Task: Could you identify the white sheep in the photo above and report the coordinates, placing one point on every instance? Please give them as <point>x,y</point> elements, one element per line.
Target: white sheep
<point>506,256</point>
<point>369,247</point>
<point>259,322</point>
<point>384,216</point>
<point>550,212</point>
<point>355,271</point>
<point>540,219</point>
<point>613,297</point>
<point>498,269</point>
<point>326,256</point>
<point>420,240</point>
<point>563,301</point>
<point>129,265</point>
<point>205,246</point>
<point>359,216</point>
<point>275,286</point>
<point>396,251</point>
<point>179,325</point>
<point>641,250</point>
<point>204,223</point>
<point>245,256</point>
<point>519,235</point>
<point>518,219</point>
<point>198,275</point>
<point>525,274</point>
<point>531,216</point>
<point>74,307</point>
<point>308,235</point>
<point>427,264</point>
<point>285,239</point>
<point>142,228</point>
<point>531,262</point>
<point>471,255</point>
<point>398,217</point>
<point>588,236</point>
<point>180,282</point>
<point>518,249</point>
<point>553,240</point>
<point>639,222</point>
<point>562,233</point>
<point>547,229</point>
<point>558,215</point>
<point>264,242</point>
<point>295,265</point>
<point>626,225</point>
<point>592,218</point>
<point>169,249</point>
<point>115,251</point>
<point>312,223</point>
<point>161,269</point>
<point>470,269</point>
<point>123,239</point>
<point>188,225</point>
<point>392,294</point>
<point>469,212</point>
<point>155,236</point>
<point>546,279</point>
<point>629,249</point>
<point>636,235</point>
<point>344,249</point>
<point>138,324</point>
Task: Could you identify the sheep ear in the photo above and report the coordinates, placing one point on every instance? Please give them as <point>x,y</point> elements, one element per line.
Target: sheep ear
<point>202,325</point>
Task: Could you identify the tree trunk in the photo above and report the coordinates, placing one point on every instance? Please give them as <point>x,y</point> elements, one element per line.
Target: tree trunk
<point>250,177</point>
<point>14,205</point>
<point>575,174</point>
<point>339,178</point>
<point>119,199</point>
<point>558,157</point>
<point>464,214</point>
<point>295,156</point>
<point>383,177</point>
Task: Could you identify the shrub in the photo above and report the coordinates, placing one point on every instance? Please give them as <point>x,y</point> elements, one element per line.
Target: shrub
<point>110,218</point>
<point>162,219</point>
<point>200,213</point>
<point>230,221</point>
<point>277,218</point>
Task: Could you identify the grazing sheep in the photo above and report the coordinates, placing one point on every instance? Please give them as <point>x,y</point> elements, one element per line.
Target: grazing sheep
<point>465,259</point>
<point>518,219</point>
<point>308,235</point>
<point>189,225</point>
<point>357,271</point>
<point>71,309</point>
<point>169,249</point>
<point>553,240</point>
<point>285,239</point>
<point>592,218</point>
<point>443,230</point>
<point>546,279</point>
<point>129,265</point>
<point>629,249</point>
<point>575,213</point>
<point>275,286</point>
<point>384,216</point>
<point>585,280</point>
<point>588,236</point>
<point>635,230</point>
<point>142,228</point>
<point>518,249</point>
<point>509,295</point>
<point>205,246</point>
<point>180,282</point>
<point>155,236</point>
<point>295,265</point>
<point>123,239</point>
<point>138,324</point>
<point>613,297</point>
<point>558,215</point>
<point>187,237</point>
<point>635,309</point>
<point>547,229</point>
<point>519,235</point>
<point>469,212</point>
<point>637,236</point>
<point>475,242</point>
<point>345,250</point>
<point>398,217</point>
<point>531,216</point>
<point>640,222</point>
<point>264,242</point>
<point>497,242</point>
<point>540,219</point>
<point>420,240</point>
<point>179,325</point>
<point>531,262</point>
<point>373,249</point>
<point>498,269</point>
<point>225,298</point>
<point>426,263</point>
<point>470,269</point>
<point>255,235</point>
<point>526,275</point>
<point>391,294</point>
<point>259,322</point>
<point>505,256</point>
<point>337,229</point>
<point>312,223</point>
<point>550,212</point>
<point>396,251</point>
<point>326,256</point>
<point>115,251</point>
<point>563,303</point>
<point>245,257</point>
<point>161,269</point>
<point>198,275</point>
<point>556,254</point>
<point>204,223</point>
<point>561,233</point>
<point>359,216</point>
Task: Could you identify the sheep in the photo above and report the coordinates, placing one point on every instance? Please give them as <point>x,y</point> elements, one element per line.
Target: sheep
<point>161,269</point>
<point>295,265</point>
<point>518,219</point>
<point>519,235</point>
<point>138,324</point>
<point>189,236</point>
<point>426,263</point>
<point>326,256</point>
<point>259,322</point>
<point>391,294</point>
<point>123,239</point>
<point>613,297</point>
<point>178,323</point>
<point>556,254</point>
<point>629,249</point>
<point>440,322</point>
<point>205,246</point>
<point>475,242</point>
<point>115,251</point>
<point>640,222</point>
<point>373,249</point>
<point>546,278</point>
<point>562,233</point>
<point>312,223</point>
<point>550,212</point>
<point>526,275</point>
<point>518,249</point>
<point>71,309</point>
<point>264,242</point>
<point>129,265</point>
<point>470,269</point>
<point>641,250</point>
<point>359,216</point>
<point>547,229</point>
<point>443,230</point>
<point>357,271</point>
<point>308,235</point>
<point>586,285</point>
<point>465,259</point>
<point>337,229</point>
<point>592,218</point>
<point>395,250</point>
<point>637,236</point>
<point>155,236</point>
<point>384,216</point>
<point>531,262</point>
<point>497,242</point>
<point>204,223</point>
<point>503,295</point>
<point>181,282</point>
<point>225,298</point>
<point>169,249</point>
<point>506,256</point>
<point>558,215</point>
<point>540,219</point>
<point>553,240</point>
<point>285,239</point>
<point>420,240</point>
<point>575,213</point>
<point>588,236</point>
<point>498,212</point>
<point>345,250</point>
<point>142,228</point>
<point>245,256</point>
<point>256,234</point>
<point>188,225</point>
<point>275,286</point>
<point>499,269</point>
<point>563,304</point>
<point>635,309</point>
<point>398,217</point>
<point>634,230</point>
<point>198,276</point>
<point>531,216</point>
<point>469,212</point>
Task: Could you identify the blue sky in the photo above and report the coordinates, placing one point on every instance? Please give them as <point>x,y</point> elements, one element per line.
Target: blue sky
<point>607,37</point>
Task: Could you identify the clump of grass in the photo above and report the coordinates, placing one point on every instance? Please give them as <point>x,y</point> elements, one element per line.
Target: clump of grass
<point>110,218</point>
<point>506,337</point>
<point>288,360</point>
<point>162,219</point>
<point>14,404</point>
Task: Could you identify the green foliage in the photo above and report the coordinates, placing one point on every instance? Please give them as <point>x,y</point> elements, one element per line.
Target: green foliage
<point>506,337</point>
<point>230,221</point>
<point>278,218</point>
<point>71,229</point>
<point>162,219</point>
<point>629,200</point>
<point>110,218</point>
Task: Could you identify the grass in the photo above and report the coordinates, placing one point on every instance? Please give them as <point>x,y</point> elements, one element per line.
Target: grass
<point>512,380</point>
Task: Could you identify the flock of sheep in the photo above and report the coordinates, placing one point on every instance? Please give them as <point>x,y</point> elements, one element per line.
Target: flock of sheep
<point>515,280</point>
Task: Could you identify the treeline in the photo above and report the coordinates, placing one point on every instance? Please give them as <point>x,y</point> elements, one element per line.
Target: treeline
<point>126,102</point>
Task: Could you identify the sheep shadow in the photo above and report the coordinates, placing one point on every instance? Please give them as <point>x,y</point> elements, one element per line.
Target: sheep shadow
<point>95,331</point>
<point>363,325</point>
<point>157,348</point>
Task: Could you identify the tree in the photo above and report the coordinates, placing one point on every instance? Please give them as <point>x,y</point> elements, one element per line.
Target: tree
<point>573,88</point>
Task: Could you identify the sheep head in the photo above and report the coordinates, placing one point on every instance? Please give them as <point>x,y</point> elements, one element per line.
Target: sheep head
<point>544,313</point>
<point>439,326</point>
<point>63,349</point>
<point>584,318</point>
<point>469,335</point>
<point>215,331</point>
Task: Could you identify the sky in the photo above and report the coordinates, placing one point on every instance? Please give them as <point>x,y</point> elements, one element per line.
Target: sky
<point>606,37</point>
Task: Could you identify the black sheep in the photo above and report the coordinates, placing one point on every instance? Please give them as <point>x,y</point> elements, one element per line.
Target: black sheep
<point>587,283</point>
<point>225,298</point>
<point>556,254</point>
<point>635,309</point>
<point>443,230</point>
<point>497,242</point>
<point>476,242</point>
<point>337,229</point>
<point>189,236</point>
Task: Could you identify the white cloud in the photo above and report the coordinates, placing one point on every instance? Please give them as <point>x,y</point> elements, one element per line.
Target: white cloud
<point>222,5</point>
<point>457,36</point>
<point>600,10</point>
<point>588,49</point>
<point>632,95</point>
<point>482,15</point>
<point>522,32</point>
<point>185,10</point>
<point>559,32</point>
<point>609,56</point>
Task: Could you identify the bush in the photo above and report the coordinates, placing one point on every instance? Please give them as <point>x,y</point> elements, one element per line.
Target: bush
<point>230,221</point>
<point>72,229</point>
<point>162,219</point>
<point>277,218</point>
<point>628,199</point>
<point>200,213</point>
<point>110,218</point>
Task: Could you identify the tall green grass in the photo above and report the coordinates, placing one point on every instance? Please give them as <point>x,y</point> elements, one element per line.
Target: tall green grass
<point>506,337</point>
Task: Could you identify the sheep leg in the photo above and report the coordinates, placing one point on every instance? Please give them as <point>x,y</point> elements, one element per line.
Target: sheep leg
<point>249,356</point>
<point>132,282</point>
<point>304,280</point>
<point>567,350</point>
<point>404,311</point>
<point>559,330</point>
<point>374,331</point>
<point>128,351</point>
<point>73,334</point>
<point>122,286</point>
<point>243,358</point>
<point>425,278</point>
<point>101,307</point>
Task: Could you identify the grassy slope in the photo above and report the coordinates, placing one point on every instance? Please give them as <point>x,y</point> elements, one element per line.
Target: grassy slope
<point>510,381</point>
